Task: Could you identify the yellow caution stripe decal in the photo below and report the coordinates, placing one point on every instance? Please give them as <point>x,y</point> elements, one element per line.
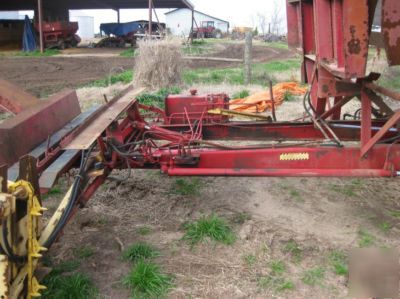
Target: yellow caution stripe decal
<point>294,157</point>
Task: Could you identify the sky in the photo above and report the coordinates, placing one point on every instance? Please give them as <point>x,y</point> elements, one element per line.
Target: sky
<point>238,13</point>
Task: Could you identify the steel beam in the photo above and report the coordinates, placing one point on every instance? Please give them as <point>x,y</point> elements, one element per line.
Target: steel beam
<point>21,134</point>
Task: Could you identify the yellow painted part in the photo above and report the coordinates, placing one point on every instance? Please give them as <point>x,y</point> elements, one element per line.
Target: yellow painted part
<point>36,288</point>
<point>18,283</point>
<point>233,113</point>
<point>37,209</point>
<point>4,272</point>
<point>295,157</point>
<point>33,212</point>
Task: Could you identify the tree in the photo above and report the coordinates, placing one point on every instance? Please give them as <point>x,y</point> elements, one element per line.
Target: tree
<point>262,22</point>
<point>255,32</point>
<point>276,18</point>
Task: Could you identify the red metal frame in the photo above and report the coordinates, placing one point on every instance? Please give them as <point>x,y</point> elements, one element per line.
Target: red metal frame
<point>184,140</point>
<point>333,37</point>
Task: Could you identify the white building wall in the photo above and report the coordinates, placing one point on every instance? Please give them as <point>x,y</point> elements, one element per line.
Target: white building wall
<point>9,15</point>
<point>179,22</point>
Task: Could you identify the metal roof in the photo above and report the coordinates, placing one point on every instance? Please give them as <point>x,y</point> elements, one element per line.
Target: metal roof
<point>93,4</point>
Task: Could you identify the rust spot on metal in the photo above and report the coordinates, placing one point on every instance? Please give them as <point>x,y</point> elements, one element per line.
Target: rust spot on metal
<point>354,44</point>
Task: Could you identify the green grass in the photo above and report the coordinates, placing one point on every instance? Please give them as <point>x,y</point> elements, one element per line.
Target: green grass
<point>209,228</point>
<point>395,213</point>
<point>337,260</point>
<point>157,98</point>
<point>131,52</point>
<point>241,94</point>
<point>52,192</point>
<point>385,227</point>
<point>276,280</point>
<point>293,192</point>
<point>278,45</point>
<point>55,191</point>
<point>288,97</point>
<point>147,281</point>
<point>140,251</point>
<point>277,267</point>
<point>250,260</point>
<point>198,47</point>
<point>123,77</point>
<point>391,78</point>
<point>61,283</point>
<point>144,231</point>
<point>294,250</point>
<point>186,187</point>
<point>365,239</point>
<point>349,189</point>
<point>83,252</point>
<point>73,286</point>
<point>313,276</point>
<point>276,284</point>
<point>64,267</point>
<point>36,53</point>
<point>261,73</point>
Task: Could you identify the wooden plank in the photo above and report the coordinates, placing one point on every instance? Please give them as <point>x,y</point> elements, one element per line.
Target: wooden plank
<point>85,138</point>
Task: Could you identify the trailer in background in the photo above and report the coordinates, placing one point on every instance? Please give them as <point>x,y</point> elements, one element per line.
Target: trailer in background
<point>60,34</point>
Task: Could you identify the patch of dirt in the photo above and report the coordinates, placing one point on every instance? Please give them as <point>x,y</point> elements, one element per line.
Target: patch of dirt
<point>45,76</point>
<point>236,50</point>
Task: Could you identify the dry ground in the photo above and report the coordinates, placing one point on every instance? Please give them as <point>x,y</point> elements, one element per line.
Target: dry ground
<point>320,216</point>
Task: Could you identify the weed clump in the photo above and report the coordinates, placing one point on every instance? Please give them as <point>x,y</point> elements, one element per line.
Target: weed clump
<point>186,187</point>
<point>147,281</point>
<point>63,283</point>
<point>209,228</point>
<point>139,251</point>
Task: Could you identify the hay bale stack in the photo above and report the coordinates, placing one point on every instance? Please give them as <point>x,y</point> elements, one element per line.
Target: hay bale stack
<point>158,64</point>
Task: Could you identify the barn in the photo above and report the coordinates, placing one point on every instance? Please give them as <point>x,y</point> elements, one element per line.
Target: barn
<point>179,21</point>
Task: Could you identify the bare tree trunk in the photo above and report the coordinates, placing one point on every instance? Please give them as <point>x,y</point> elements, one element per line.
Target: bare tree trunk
<point>248,58</point>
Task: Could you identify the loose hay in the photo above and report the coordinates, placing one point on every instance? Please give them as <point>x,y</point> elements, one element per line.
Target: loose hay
<point>158,64</point>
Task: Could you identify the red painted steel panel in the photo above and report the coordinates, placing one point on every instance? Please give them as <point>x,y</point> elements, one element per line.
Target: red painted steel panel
<point>366,118</point>
<point>369,173</point>
<point>337,9</point>
<point>356,37</point>
<point>391,30</point>
<point>323,30</point>
<point>178,108</point>
<point>293,34</point>
<point>332,161</point>
<point>14,99</point>
<point>21,134</point>
<point>308,30</point>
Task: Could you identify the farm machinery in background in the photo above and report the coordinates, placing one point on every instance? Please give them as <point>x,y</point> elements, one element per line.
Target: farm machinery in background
<point>51,138</point>
<point>60,34</point>
<point>120,34</point>
<point>206,29</point>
